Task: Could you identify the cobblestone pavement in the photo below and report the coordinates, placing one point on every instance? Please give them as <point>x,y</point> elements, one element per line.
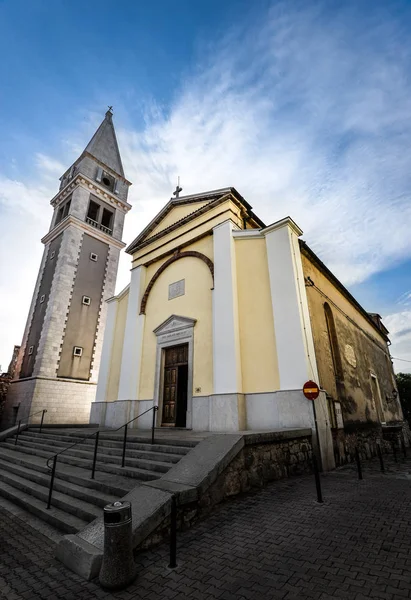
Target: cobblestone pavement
<point>274,543</point>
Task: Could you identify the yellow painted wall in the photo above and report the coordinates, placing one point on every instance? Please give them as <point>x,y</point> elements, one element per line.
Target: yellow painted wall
<point>257,341</point>
<point>362,350</point>
<point>177,213</point>
<point>117,347</point>
<point>196,304</point>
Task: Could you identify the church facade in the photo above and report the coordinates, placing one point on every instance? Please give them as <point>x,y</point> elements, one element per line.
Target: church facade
<point>219,329</point>
<point>58,361</point>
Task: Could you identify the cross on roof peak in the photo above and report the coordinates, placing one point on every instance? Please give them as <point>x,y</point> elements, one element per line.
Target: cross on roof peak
<point>178,189</point>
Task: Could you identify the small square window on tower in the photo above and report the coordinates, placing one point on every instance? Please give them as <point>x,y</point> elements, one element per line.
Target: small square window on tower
<point>86,300</point>
<point>77,351</point>
<point>52,254</point>
<point>42,298</point>
<point>31,350</point>
<point>93,256</point>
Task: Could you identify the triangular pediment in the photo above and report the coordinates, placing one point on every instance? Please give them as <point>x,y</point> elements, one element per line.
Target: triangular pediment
<point>174,323</point>
<point>177,212</point>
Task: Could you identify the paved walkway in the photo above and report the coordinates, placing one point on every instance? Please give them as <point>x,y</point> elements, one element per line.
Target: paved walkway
<point>274,543</point>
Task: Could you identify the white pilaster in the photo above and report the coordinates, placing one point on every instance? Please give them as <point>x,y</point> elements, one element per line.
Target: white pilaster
<point>106,351</point>
<point>295,347</point>
<point>133,339</point>
<point>226,348</point>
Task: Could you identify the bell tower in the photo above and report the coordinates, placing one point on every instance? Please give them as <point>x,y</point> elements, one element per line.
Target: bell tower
<point>58,363</point>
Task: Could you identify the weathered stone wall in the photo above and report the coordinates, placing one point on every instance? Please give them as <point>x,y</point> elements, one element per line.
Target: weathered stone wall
<point>253,467</point>
<point>365,437</point>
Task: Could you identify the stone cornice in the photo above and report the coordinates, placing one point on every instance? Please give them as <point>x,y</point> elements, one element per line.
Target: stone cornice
<point>286,222</point>
<point>95,188</point>
<point>96,233</point>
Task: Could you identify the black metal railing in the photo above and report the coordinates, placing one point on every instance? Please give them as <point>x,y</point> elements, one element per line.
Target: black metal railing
<point>32,415</point>
<point>97,437</point>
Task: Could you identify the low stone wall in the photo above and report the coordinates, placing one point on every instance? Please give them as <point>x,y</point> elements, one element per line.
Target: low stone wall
<point>254,466</point>
<point>365,437</point>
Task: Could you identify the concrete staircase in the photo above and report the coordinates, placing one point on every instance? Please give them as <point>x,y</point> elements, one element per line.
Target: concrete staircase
<point>78,499</point>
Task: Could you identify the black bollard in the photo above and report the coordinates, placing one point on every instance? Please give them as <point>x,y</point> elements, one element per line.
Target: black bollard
<point>357,458</point>
<point>380,457</point>
<point>317,480</point>
<point>173,534</point>
<point>118,569</point>
<point>394,451</point>
<point>404,448</point>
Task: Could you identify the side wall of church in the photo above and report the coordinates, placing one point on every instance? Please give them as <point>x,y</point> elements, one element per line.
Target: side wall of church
<point>364,382</point>
<point>259,364</point>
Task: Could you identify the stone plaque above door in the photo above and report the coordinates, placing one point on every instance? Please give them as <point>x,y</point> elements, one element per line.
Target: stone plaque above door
<point>176,289</point>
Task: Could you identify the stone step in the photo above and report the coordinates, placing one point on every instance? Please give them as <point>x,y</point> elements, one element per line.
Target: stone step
<point>85,511</point>
<point>103,482</point>
<point>102,456</point>
<point>114,445</point>
<point>160,438</point>
<point>116,440</point>
<point>70,489</point>
<point>64,522</point>
<point>130,471</point>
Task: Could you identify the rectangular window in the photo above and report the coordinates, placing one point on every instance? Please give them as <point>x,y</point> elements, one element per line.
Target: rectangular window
<point>31,350</point>
<point>86,300</point>
<point>331,413</point>
<point>93,256</point>
<point>42,298</point>
<point>59,214</point>
<point>52,254</point>
<point>66,209</point>
<point>93,210</point>
<point>107,218</point>
<point>77,351</point>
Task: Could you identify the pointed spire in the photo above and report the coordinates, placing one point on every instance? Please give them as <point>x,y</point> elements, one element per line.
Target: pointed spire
<point>103,145</point>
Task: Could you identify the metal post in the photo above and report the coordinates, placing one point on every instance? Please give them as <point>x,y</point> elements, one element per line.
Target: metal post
<point>53,472</point>
<point>357,458</point>
<point>17,434</point>
<point>153,424</point>
<point>42,417</point>
<point>95,455</point>
<point>380,457</point>
<point>394,451</point>
<point>173,533</point>
<point>124,445</point>
<point>317,480</point>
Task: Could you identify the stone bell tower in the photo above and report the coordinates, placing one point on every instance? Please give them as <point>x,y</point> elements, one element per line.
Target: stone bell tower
<point>59,359</point>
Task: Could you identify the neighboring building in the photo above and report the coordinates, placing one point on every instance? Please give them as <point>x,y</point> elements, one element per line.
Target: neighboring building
<point>217,329</point>
<point>58,362</point>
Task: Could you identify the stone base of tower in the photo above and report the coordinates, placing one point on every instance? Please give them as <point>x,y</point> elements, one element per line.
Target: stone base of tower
<point>66,401</point>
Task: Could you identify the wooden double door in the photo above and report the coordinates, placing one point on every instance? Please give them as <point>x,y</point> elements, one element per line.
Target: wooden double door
<point>175,386</point>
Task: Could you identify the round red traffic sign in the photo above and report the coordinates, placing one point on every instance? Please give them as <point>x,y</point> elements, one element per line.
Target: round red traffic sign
<point>311,390</point>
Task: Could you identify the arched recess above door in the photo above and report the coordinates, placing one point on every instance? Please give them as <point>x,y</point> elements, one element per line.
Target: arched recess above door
<point>176,256</point>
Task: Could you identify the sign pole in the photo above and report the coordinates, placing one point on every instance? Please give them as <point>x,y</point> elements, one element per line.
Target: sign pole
<point>311,391</point>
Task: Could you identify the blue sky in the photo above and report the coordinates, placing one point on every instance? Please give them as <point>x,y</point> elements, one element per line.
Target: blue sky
<point>304,106</point>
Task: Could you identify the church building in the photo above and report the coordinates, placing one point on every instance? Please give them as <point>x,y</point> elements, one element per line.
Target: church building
<point>226,318</point>
<point>58,361</point>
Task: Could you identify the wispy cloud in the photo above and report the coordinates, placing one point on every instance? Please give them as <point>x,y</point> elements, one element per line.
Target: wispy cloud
<point>306,112</point>
<point>308,115</point>
<point>399,325</point>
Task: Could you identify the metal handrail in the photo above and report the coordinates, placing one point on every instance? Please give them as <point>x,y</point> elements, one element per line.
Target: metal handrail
<point>32,415</point>
<point>97,434</point>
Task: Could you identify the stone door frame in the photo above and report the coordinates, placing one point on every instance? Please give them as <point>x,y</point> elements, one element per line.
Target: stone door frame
<point>174,331</point>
